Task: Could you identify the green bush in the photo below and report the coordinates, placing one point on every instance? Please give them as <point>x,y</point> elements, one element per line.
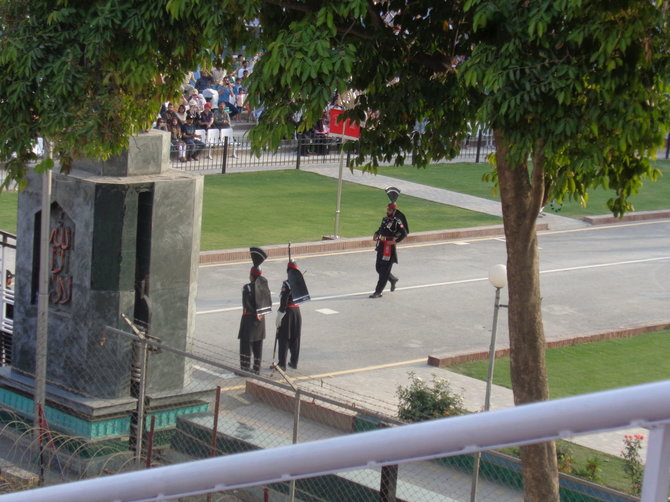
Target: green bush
<point>420,401</point>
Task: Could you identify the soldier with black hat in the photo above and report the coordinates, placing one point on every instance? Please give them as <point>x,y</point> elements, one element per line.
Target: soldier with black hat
<point>393,193</point>
<point>391,231</point>
<point>289,321</point>
<point>256,304</point>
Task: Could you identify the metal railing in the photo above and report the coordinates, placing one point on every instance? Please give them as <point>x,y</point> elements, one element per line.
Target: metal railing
<point>7,269</point>
<point>538,422</point>
<point>223,154</point>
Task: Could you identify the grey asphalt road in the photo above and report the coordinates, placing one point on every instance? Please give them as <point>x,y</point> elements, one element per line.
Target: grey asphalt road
<point>594,279</point>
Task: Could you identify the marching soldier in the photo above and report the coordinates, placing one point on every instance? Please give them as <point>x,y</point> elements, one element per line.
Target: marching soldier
<point>393,193</point>
<point>289,321</point>
<point>391,231</point>
<point>256,304</point>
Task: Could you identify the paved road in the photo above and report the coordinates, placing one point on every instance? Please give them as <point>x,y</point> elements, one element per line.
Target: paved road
<point>594,279</point>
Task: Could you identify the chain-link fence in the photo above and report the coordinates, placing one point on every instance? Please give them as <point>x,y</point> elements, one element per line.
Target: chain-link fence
<point>214,408</point>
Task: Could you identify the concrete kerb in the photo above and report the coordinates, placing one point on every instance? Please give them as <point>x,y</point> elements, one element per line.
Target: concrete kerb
<point>637,216</point>
<point>343,244</point>
<point>451,359</point>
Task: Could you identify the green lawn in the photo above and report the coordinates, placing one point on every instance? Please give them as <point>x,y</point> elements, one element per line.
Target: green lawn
<point>592,367</point>
<point>8,205</point>
<point>275,207</point>
<point>467,178</point>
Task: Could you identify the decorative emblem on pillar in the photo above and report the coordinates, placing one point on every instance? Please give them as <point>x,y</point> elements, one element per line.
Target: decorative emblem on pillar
<point>60,251</point>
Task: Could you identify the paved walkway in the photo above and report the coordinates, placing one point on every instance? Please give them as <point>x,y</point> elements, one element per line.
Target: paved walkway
<point>435,194</point>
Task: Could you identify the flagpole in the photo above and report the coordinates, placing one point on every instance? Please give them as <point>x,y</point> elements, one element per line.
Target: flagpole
<point>336,235</point>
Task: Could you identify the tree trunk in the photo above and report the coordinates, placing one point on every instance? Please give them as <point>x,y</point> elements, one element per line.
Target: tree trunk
<point>521,194</point>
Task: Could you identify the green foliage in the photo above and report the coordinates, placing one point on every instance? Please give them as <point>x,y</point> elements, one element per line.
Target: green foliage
<point>422,401</point>
<point>634,468</point>
<point>584,84</point>
<point>573,457</point>
<point>584,80</point>
<point>565,458</point>
<point>87,75</point>
<point>591,470</point>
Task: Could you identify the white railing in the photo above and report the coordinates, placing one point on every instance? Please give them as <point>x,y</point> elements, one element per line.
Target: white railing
<point>643,405</point>
<point>7,270</point>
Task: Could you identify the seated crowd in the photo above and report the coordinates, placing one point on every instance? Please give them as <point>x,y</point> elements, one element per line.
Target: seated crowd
<point>210,100</point>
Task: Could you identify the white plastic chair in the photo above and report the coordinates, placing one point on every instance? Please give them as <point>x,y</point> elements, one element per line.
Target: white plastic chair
<point>228,132</point>
<point>213,136</point>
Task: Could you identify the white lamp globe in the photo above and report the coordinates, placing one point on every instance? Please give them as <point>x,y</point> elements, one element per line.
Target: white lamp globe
<point>498,276</point>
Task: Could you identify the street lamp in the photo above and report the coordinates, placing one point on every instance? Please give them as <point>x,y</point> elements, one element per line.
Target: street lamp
<point>498,279</point>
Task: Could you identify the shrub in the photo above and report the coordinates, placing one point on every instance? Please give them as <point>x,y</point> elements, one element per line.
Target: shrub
<point>634,467</point>
<point>591,470</point>
<point>564,457</point>
<point>420,401</point>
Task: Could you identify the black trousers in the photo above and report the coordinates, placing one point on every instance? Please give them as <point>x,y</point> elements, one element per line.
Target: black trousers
<point>289,337</point>
<point>246,348</point>
<point>384,270</point>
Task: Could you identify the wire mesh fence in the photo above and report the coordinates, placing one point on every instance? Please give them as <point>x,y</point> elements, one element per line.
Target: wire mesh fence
<point>214,408</point>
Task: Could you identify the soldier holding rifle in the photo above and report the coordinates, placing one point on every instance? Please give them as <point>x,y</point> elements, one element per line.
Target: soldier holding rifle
<point>289,321</point>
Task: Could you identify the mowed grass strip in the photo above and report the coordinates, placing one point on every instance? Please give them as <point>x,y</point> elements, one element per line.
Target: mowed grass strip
<point>275,207</point>
<point>8,208</point>
<point>591,367</point>
<point>466,177</point>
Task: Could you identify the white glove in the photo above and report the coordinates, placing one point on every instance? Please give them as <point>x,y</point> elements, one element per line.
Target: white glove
<point>280,316</point>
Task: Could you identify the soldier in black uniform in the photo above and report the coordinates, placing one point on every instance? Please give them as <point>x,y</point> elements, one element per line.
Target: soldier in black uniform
<point>289,321</point>
<point>390,232</point>
<point>256,304</point>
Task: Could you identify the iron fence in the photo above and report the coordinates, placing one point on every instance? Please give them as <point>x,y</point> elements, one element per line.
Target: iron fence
<point>225,152</point>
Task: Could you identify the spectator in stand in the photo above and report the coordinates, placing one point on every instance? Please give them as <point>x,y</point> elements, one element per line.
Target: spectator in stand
<point>245,67</point>
<point>237,63</point>
<point>211,96</point>
<point>320,132</point>
<point>162,125</point>
<point>218,74</point>
<point>201,101</point>
<point>238,85</point>
<point>181,114</point>
<point>194,146</point>
<point>228,96</point>
<point>168,114</point>
<point>205,81</point>
<point>221,117</point>
<point>176,139</point>
<point>206,119</point>
<point>241,99</point>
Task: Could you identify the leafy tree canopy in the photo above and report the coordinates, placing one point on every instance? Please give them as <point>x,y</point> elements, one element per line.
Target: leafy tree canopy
<point>584,78</point>
<point>88,74</point>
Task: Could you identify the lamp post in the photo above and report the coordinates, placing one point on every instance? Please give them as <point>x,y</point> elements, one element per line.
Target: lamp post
<point>498,279</point>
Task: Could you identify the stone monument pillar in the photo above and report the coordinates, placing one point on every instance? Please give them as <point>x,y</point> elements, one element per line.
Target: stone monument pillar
<point>124,239</point>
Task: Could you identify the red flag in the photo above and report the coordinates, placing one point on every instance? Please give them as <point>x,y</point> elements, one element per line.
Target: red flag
<point>347,128</point>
